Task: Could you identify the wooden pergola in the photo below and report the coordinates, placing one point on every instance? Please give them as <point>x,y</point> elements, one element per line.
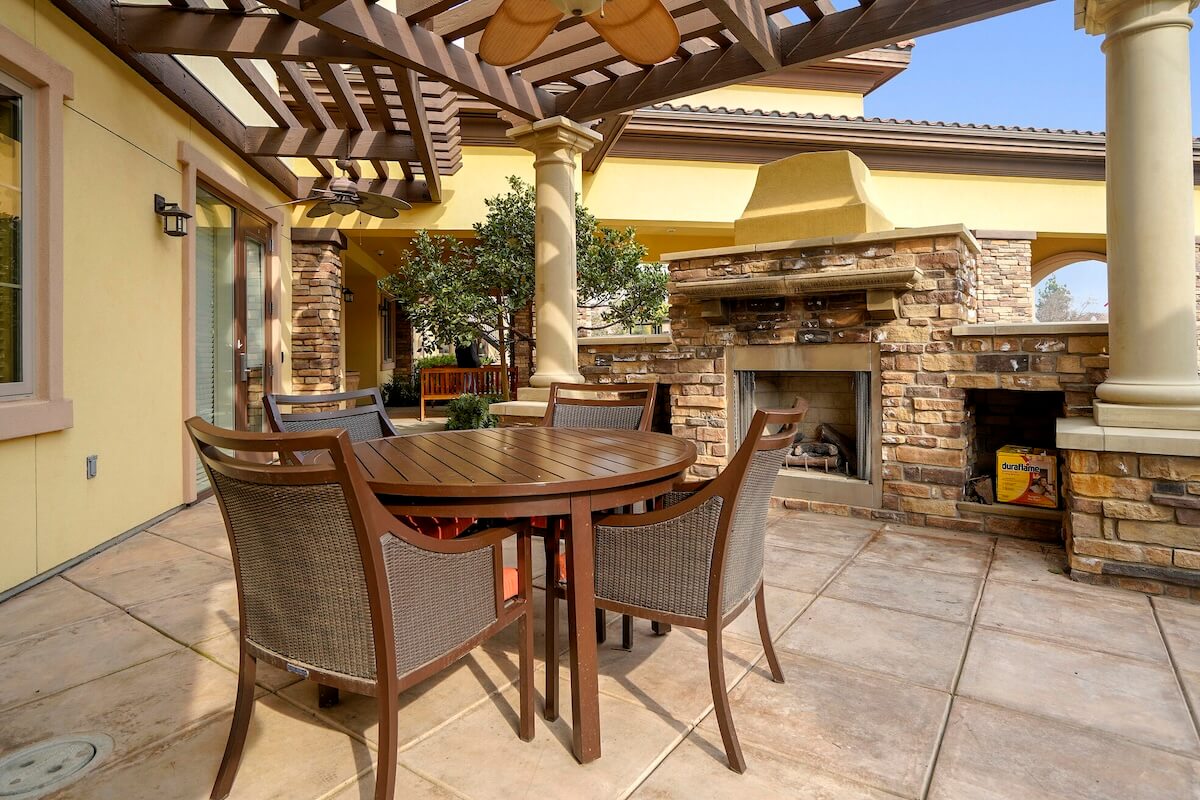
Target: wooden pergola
<point>356,80</point>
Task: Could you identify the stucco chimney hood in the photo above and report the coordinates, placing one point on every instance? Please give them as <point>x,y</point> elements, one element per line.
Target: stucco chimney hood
<point>812,200</point>
<point>808,196</point>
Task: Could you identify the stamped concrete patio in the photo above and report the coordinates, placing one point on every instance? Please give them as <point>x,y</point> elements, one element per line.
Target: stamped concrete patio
<point>918,664</point>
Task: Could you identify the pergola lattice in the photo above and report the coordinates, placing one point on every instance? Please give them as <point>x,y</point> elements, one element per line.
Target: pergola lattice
<point>354,78</point>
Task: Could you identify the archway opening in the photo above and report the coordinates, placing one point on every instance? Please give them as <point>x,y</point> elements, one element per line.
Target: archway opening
<point>1072,287</point>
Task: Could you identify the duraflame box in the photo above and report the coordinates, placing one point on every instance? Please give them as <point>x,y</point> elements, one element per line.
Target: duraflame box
<point>1027,476</point>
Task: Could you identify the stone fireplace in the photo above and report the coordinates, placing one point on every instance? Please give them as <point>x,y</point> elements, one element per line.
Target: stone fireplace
<point>840,384</point>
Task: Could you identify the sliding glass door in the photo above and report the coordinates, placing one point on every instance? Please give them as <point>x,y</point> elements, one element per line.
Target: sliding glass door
<point>232,366</point>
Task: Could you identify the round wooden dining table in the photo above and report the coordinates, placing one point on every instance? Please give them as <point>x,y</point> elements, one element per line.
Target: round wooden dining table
<point>528,472</point>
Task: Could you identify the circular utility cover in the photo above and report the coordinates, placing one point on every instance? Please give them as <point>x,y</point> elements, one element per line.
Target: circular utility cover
<point>38,769</point>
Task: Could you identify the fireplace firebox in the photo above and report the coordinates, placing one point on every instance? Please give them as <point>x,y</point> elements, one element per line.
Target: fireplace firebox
<point>836,454</point>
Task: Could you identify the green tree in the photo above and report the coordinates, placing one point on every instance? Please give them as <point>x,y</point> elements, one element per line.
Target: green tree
<point>1054,302</point>
<point>456,292</point>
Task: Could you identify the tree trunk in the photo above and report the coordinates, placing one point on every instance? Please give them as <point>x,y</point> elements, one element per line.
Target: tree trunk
<point>502,346</point>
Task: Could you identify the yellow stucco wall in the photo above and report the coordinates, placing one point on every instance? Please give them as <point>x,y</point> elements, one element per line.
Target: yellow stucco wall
<point>695,198</point>
<point>361,326</point>
<point>123,316</point>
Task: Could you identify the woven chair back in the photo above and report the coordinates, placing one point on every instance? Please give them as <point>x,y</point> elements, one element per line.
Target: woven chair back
<point>298,543</point>
<point>628,406</point>
<point>362,420</point>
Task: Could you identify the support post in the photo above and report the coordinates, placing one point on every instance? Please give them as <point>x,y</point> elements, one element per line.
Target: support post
<point>1152,380</point>
<point>555,143</point>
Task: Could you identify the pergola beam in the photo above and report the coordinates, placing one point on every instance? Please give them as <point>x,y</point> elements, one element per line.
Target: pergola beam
<point>409,89</point>
<point>100,19</point>
<point>842,33</point>
<point>155,29</point>
<point>262,91</point>
<point>750,25</point>
<point>389,37</point>
<point>333,143</point>
<point>610,128</point>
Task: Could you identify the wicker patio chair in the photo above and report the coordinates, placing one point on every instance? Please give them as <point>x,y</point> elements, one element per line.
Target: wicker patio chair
<point>698,560</point>
<point>362,422</point>
<point>630,407</point>
<point>334,589</point>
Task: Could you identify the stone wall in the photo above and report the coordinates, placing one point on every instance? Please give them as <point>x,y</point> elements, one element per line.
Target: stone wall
<point>1134,521</point>
<point>1005,280</point>
<point>316,316</point>
<point>929,363</point>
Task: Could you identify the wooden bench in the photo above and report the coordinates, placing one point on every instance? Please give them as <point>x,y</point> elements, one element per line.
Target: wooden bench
<point>447,383</point>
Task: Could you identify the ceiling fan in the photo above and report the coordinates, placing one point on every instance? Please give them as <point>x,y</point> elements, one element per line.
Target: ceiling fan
<point>342,196</point>
<point>642,31</point>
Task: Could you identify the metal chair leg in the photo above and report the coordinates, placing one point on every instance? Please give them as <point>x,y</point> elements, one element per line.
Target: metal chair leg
<point>626,632</point>
<point>389,740</point>
<point>243,708</point>
<point>551,638</point>
<point>716,677</point>
<point>764,633</point>
<point>327,696</point>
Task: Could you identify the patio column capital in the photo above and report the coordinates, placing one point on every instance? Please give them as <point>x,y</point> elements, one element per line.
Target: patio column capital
<point>1113,17</point>
<point>554,138</point>
<point>555,143</point>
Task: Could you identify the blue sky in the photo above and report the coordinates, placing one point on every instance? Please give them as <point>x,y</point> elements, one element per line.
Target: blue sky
<point>1029,68</point>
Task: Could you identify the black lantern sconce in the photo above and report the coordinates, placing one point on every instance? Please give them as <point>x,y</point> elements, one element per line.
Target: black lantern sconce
<point>383,309</point>
<point>348,295</point>
<point>174,218</point>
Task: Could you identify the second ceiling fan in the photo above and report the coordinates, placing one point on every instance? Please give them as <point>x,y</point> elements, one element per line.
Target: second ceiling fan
<point>642,31</point>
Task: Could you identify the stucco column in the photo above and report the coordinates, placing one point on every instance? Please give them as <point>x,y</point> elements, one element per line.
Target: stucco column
<point>555,143</point>
<point>1152,378</point>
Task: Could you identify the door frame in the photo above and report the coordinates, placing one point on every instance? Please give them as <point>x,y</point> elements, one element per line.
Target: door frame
<point>198,168</point>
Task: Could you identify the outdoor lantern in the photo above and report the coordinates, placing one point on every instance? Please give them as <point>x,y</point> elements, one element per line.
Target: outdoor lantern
<point>383,309</point>
<point>348,295</point>
<point>174,218</point>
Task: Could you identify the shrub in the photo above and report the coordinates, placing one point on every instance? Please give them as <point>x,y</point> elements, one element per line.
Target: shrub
<point>402,391</point>
<point>468,412</point>
<point>439,360</point>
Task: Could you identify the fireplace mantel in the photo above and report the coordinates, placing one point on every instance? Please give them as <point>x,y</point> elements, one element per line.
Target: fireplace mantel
<point>791,284</point>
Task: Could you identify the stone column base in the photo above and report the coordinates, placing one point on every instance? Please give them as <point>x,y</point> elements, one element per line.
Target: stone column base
<point>1118,415</point>
<point>1132,507</point>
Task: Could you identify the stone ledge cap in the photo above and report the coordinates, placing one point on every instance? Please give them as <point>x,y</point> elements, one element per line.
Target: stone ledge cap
<point>1082,433</point>
<point>1030,328</point>
<point>898,235</point>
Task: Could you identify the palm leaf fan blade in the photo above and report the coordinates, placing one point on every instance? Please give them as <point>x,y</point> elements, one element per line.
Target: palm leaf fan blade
<point>321,209</point>
<point>373,205</point>
<point>517,29</point>
<point>642,31</point>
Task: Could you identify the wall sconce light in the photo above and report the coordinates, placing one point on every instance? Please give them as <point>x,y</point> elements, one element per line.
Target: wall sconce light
<point>348,295</point>
<point>383,309</point>
<point>174,218</point>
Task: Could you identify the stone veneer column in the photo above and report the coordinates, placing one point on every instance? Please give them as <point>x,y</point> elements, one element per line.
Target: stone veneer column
<point>1005,280</point>
<point>316,310</point>
<point>1151,225</point>
<point>555,143</point>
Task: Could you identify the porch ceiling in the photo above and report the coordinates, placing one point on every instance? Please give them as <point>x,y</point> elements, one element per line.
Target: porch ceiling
<point>353,77</point>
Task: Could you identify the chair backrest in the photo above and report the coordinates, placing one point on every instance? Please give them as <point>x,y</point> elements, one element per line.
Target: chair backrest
<point>617,406</point>
<point>368,420</point>
<point>746,485</point>
<point>310,590</point>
